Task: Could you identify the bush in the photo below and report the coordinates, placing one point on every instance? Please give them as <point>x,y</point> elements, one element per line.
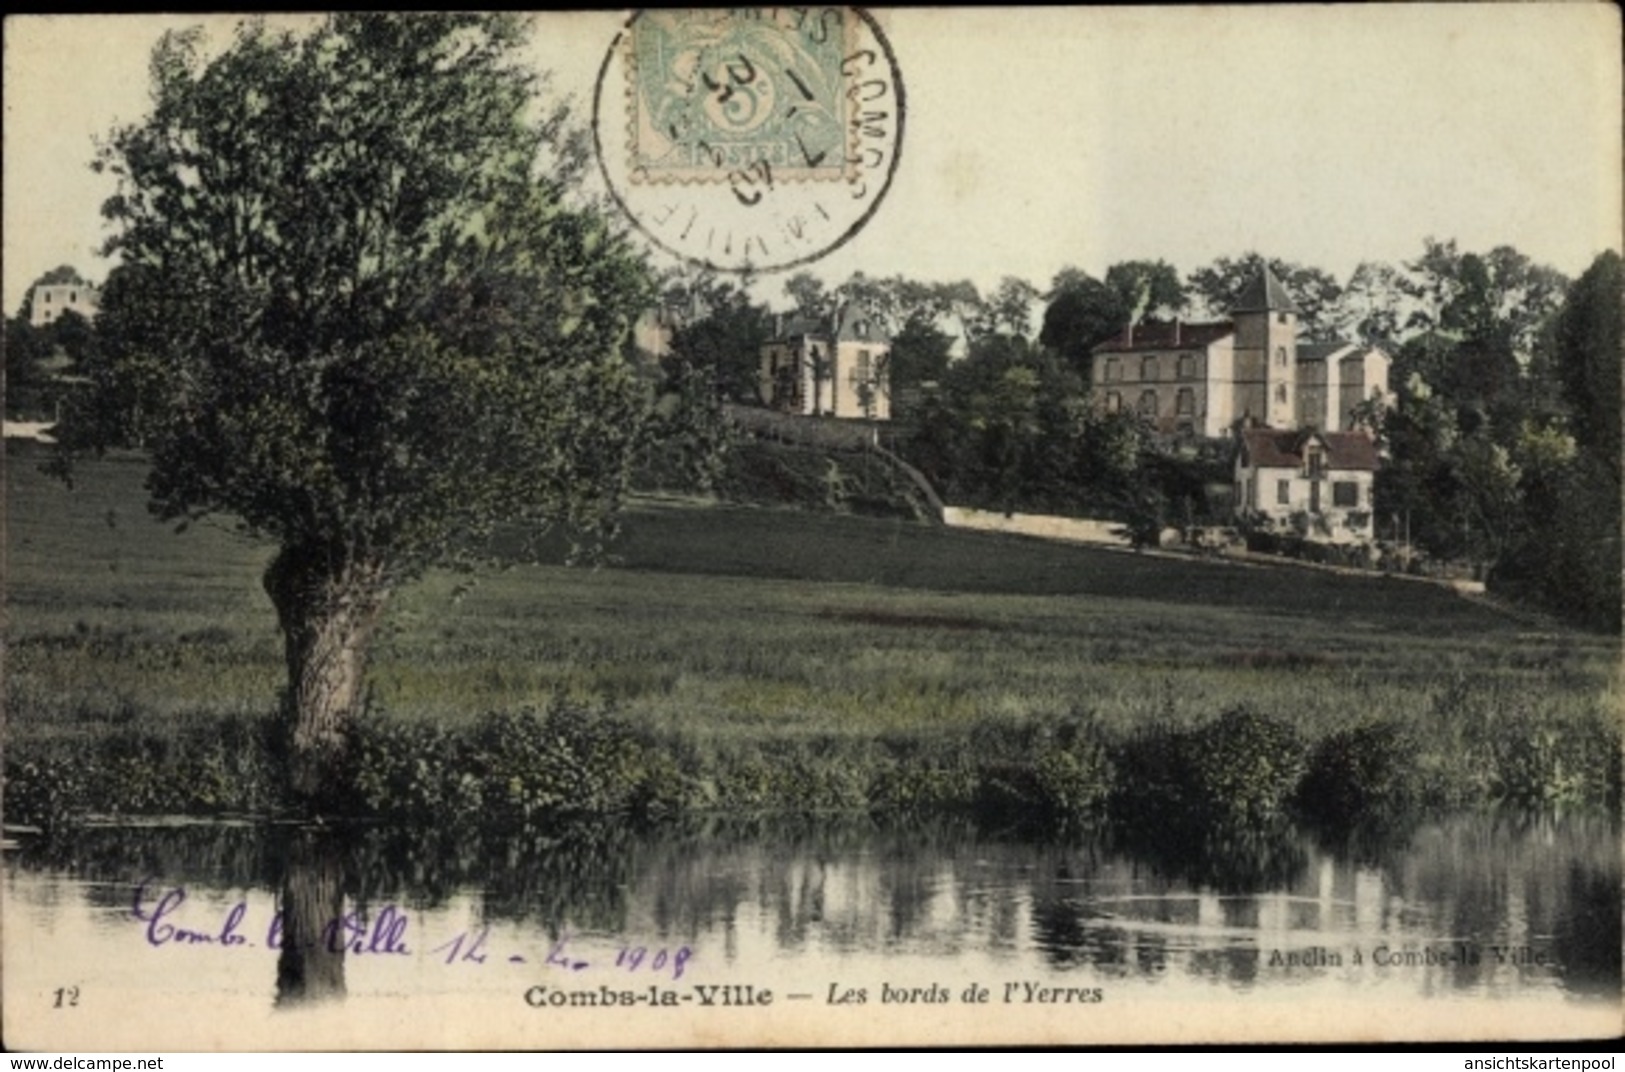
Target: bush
<point>1241,769</point>
<point>1361,776</point>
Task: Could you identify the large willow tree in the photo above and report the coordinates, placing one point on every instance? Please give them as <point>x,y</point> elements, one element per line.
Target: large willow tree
<point>360,310</point>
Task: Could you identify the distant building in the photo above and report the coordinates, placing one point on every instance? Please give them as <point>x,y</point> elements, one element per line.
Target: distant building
<point>47,301</point>
<point>837,367</point>
<point>1319,482</point>
<point>1211,378</point>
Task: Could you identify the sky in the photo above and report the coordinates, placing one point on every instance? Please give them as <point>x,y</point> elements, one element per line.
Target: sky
<point>1038,139</point>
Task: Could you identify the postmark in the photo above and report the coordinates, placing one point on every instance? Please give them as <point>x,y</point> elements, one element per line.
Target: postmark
<point>751,139</point>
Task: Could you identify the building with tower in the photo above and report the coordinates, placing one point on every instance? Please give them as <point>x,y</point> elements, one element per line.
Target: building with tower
<point>1210,379</point>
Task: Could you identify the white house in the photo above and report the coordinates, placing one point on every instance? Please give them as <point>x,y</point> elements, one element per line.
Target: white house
<point>829,368</point>
<point>50,300</point>
<point>1319,483</point>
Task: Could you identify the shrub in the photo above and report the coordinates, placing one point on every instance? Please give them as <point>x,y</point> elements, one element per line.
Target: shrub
<point>1243,766</point>
<point>1241,769</point>
<point>1361,775</point>
<point>1050,770</point>
<point>1543,766</point>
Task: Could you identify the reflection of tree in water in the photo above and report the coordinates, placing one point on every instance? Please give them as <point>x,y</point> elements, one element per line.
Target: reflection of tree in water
<point>310,966</point>
<point>1227,858</point>
<point>1135,908</point>
<point>1586,936</point>
<point>1117,903</point>
<point>1515,878</point>
<point>579,874</point>
<point>109,859</point>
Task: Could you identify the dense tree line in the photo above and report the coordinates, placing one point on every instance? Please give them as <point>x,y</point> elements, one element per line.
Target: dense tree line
<point>1502,445</point>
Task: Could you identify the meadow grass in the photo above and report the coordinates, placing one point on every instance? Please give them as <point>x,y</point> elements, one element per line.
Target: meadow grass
<point>737,635</point>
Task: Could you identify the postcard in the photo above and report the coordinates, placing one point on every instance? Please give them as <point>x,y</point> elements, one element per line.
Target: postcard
<point>812,527</point>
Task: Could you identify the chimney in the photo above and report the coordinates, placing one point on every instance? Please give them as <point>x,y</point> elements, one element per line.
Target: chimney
<point>1128,333</point>
<point>1176,329</point>
<point>778,325</point>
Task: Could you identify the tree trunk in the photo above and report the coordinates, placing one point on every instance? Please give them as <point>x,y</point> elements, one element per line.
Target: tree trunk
<point>327,605</point>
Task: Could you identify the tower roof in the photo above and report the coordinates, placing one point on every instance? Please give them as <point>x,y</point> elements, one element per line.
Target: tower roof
<point>1264,294</point>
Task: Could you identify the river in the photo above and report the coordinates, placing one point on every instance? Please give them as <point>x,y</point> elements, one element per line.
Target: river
<point>209,935</point>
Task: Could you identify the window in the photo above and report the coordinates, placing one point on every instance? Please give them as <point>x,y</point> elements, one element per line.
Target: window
<point>1185,403</point>
<point>1280,393</point>
<point>1280,318</point>
<point>1283,492</point>
<point>1114,402</point>
<point>1187,366</point>
<point>47,297</point>
<point>73,296</point>
<point>1280,356</point>
<point>1148,368</point>
<point>1148,403</point>
<point>1114,369</point>
<point>1345,493</point>
<point>1314,463</point>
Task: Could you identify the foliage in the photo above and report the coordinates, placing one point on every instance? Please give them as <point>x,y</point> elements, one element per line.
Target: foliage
<point>1147,289</point>
<point>1239,770</point>
<point>1013,428</point>
<point>358,312</point>
<point>1082,312</point>
<point>1009,309</point>
<point>1217,288</point>
<point>919,355</point>
<point>1570,561</point>
<point>725,341</point>
<point>67,343</point>
<point>1361,775</point>
<point>1587,358</point>
<point>1496,300</point>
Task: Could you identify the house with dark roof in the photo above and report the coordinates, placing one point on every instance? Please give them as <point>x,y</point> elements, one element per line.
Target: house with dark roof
<point>1210,378</point>
<point>834,367</point>
<point>1317,483</point>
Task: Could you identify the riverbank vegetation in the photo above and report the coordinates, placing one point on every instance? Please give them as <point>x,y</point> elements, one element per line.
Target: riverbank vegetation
<point>756,660</point>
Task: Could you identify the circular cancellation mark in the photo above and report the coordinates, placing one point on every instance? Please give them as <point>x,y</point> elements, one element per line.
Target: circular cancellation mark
<point>749,140</point>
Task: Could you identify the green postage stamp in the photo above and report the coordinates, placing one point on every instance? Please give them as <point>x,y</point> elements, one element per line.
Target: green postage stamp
<point>749,139</point>
<point>713,92</point>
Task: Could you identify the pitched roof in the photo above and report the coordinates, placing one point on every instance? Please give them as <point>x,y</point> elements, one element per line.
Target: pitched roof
<point>1264,293</point>
<point>849,323</point>
<point>852,321</point>
<point>800,325</point>
<point>1277,448</point>
<point>1164,335</point>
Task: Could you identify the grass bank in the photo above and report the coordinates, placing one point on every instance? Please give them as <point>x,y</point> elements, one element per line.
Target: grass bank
<point>760,658</point>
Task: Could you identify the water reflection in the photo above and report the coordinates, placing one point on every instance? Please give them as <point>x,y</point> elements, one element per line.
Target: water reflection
<point>310,964</point>
<point>1533,900</point>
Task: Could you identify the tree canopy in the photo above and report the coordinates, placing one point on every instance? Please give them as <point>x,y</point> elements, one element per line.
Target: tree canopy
<point>359,310</point>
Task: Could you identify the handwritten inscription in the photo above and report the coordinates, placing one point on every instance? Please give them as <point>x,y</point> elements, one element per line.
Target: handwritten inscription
<point>388,931</point>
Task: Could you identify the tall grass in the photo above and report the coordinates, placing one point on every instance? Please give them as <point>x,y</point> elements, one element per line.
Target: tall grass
<point>777,656</point>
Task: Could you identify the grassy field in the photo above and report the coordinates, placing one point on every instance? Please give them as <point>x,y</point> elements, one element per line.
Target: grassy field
<point>734,628</point>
